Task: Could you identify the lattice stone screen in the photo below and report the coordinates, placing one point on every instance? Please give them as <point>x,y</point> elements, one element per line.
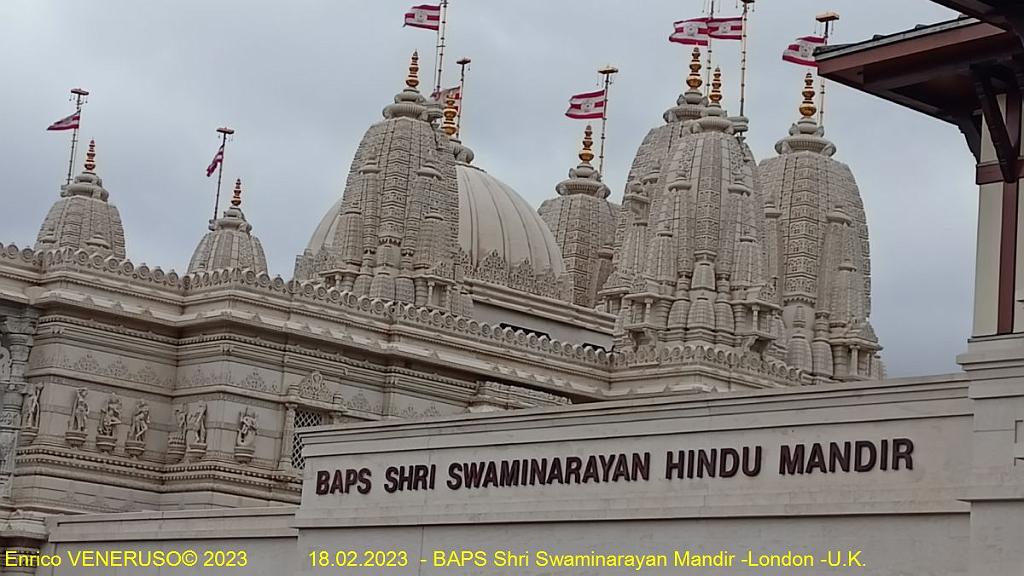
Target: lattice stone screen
<point>303,419</point>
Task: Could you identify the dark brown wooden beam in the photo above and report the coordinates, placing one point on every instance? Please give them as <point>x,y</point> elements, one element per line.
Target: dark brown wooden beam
<point>970,127</point>
<point>1008,237</point>
<point>1006,149</point>
<point>1007,259</point>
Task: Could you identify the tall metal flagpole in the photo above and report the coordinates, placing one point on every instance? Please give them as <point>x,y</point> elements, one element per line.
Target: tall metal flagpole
<point>79,97</point>
<point>826,18</point>
<point>224,133</point>
<point>743,55</point>
<point>439,54</point>
<point>463,63</point>
<point>707,81</point>
<point>607,72</point>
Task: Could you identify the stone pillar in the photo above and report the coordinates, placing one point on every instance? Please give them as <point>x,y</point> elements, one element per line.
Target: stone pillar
<point>17,332</point>
<point>287,439</point>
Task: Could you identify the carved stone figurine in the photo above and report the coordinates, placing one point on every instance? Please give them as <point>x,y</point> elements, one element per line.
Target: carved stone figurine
<point>5,364</point>
<point>110,417</point>
<point>140,422</point>
<point>181,417</point>
<point>246,429</point>
<point>196,432</point>
<point>30,410</point>
<point>79,412</point>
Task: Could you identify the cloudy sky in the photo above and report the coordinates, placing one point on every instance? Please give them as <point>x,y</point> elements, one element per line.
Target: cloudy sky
<point>300,81</point>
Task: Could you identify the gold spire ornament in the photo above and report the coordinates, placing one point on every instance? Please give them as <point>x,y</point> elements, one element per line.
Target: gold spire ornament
<point>807,107</point>
<point>693,80</point>
<point>413,79</point>
<point>236,199</point>
<point>586,154</point>
<point>449,126</point>
<point>90,157</point>
<point>716,88</point>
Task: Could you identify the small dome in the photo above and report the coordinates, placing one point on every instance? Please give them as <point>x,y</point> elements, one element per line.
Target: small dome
<point>583,223</point>
<point>82,218</point>
<point>494,220</point>
<point>230,243</point>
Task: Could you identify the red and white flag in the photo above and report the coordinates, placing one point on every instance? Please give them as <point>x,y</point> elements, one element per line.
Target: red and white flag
<point>586,106</point>
<point>218,159</point>
<point>726,28</point>
<point>693,31</point>
<point>442,96</point>
<point>801,51</point>
<point>67,123</point>
<point>424,16</point>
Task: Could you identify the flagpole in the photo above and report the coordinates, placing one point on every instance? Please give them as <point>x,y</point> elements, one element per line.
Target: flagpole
<point>827,18</point>
<point>743,56</point>
<point>607,72</point>
<point>463,63</point>
<point>439,53</point>
<point>707,82</point>
<point>79,96</point>
<point>224,133</point>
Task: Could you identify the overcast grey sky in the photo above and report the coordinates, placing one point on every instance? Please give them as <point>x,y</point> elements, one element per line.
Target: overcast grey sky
<point>301,80</point>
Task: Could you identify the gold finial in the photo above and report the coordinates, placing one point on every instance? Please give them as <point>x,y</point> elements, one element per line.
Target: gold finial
<point>586,154</point>
<point>413,79</point>
<point>693,80</point>
<point>716,87</point>
<point>450,112</point>
<point>807,107</point>
<point>90,157</point>
<point>236,199</point>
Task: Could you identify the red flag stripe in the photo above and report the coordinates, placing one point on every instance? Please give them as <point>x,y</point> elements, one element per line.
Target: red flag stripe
<point>426,16</point>
<point>218,158</point>
<point>692,32</point>
<point>67,123</point>
<point>587,95</point>
<point>802,50</point>
<point>587,106</point>
<point>726,28</point>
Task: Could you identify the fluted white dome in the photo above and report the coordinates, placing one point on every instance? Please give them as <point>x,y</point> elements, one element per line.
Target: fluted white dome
<point>230,243</point>
<point>495,220</point>
<point>83,218</point>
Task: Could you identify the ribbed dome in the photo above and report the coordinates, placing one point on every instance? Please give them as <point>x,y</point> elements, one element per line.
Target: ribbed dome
<point>494,220</point>
<point>393,234</point>
<point>82,218</point>
<point>230,243</point>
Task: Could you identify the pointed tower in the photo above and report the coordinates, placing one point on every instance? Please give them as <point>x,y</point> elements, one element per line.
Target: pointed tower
<point>634,231</point>
<point>702,279</point>
<point>83,218</point>
<point>583,223</point>
<point>230,243</point>
<point>401,199</point>
<point>815,219</point>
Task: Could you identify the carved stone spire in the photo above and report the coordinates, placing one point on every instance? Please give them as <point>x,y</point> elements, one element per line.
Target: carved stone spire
<point>83,218</point>
<point>583,223</point>
<point>230,243</point>
<point>401,199</point>
<point>822,237</point>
